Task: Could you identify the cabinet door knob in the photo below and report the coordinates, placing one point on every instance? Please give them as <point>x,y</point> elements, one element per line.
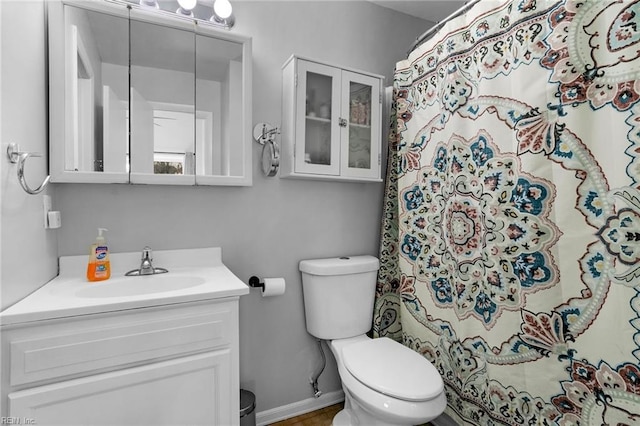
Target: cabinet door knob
<point>342,122</point>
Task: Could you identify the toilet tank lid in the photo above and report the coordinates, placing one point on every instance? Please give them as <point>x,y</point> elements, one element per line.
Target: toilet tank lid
<point>340,265</point>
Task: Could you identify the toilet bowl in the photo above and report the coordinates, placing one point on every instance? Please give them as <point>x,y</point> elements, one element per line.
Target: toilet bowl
<point>386,383</point>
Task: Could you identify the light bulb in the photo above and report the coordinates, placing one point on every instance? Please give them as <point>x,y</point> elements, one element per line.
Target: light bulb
<point>222,8</point>
<point>187,4</point>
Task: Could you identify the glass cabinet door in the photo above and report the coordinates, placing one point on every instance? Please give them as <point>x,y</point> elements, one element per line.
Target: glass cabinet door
<point>361,101</point>
<point>318,135</point>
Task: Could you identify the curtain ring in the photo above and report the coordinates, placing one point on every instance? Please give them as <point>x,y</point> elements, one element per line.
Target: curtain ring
<point>16,156</point>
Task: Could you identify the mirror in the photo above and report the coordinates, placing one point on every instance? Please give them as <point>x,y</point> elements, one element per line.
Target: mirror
<point>162,109</point>
<point>142,96</point>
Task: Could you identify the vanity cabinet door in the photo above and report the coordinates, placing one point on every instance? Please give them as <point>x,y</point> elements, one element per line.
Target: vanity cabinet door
<point>170,364</point>
<point>188,390</point>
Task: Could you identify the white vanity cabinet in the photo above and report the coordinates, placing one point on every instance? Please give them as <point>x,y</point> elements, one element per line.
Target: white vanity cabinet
<point>171,364</point>
<point>331,122</point>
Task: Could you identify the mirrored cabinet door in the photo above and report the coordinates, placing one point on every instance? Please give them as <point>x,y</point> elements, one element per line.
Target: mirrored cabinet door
<point>88,81</point>
<point>162,110</point>
<point>223,80</point>
<point>362,99</point>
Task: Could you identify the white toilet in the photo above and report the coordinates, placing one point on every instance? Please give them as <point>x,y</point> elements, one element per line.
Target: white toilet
<point>384,382</point>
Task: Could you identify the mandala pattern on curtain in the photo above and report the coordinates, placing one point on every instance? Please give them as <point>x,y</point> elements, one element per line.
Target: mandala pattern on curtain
<point>511,232</point>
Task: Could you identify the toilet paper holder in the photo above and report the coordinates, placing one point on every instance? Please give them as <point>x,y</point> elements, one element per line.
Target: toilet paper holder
<point>268,286</point>
<point>255,282</point>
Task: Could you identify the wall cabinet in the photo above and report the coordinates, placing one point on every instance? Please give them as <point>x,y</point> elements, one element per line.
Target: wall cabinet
<point>331,122</point>
<point>169,365</point>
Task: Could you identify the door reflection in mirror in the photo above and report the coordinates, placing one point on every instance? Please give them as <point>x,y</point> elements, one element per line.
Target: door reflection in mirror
<point>96,72</point>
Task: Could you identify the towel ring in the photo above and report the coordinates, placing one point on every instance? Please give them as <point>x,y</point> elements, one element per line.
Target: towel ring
<point>20,157</point>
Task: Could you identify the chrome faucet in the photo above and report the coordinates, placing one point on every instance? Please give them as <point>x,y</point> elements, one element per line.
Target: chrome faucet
<point>146,267</point>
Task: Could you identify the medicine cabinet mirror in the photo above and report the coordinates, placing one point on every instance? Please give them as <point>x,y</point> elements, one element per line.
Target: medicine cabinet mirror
<point>146,96</point>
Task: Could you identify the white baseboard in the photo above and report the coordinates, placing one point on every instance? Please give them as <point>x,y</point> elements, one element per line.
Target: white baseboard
<point>298,408</point>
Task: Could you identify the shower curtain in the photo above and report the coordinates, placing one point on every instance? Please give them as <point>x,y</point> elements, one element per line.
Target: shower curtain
<point>510,252</point>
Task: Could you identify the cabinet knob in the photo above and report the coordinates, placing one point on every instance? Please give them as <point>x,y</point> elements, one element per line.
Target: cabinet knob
<point>342,122</point>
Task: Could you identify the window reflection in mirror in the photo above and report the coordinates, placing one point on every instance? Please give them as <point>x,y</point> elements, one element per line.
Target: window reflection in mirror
<point>97,76</point>
<point>162,99</point>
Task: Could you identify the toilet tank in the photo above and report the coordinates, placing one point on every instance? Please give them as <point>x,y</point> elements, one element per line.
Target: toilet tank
<point>339,295</point>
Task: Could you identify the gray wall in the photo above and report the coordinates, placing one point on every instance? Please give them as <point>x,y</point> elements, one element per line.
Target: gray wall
<point>265,229</point>
<point>28,252</point>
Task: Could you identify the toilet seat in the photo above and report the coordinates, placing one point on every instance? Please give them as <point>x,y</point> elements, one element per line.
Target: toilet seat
<point>392,369</point>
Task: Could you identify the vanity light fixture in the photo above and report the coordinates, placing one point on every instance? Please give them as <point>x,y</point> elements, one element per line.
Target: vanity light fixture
<point>221,10</point>
<point>223,13</point>
<point>186,7</point>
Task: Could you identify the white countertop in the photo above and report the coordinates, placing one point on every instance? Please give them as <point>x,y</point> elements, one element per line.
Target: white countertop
<point>200,273</point>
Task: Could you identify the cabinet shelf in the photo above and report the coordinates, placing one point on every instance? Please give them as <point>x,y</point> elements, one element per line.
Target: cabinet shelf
<point>360,126</point>
<point>313,119</point>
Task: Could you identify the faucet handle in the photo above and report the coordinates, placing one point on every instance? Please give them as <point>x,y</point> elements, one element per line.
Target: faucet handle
<point>146,253</point>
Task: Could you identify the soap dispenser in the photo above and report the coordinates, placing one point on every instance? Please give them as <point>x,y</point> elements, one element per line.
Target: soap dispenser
<point>99,267</point>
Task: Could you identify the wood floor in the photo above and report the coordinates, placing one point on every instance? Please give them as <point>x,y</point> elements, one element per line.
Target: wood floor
<point>320,417</point>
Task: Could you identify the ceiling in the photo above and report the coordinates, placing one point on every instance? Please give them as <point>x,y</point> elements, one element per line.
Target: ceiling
<point>430,10</point>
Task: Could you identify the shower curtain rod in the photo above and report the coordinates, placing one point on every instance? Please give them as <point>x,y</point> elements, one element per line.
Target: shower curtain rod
<point>441,23</point>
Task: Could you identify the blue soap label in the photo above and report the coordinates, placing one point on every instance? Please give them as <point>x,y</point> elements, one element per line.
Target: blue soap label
<point>101,252</point>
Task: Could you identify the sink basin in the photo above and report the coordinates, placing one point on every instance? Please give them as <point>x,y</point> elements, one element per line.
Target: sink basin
<point>135,286</point>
